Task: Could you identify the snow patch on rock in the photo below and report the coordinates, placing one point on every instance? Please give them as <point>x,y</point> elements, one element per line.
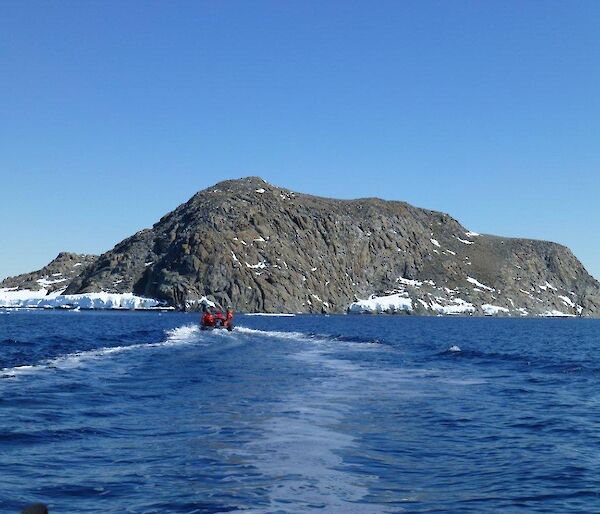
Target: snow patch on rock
<point>493,310</point>
<point>556,314</point>
<point>567,301</point>
<point>464,241</point>
<point>479,284</point>
<point>379,304</point>
<point>455,306</point>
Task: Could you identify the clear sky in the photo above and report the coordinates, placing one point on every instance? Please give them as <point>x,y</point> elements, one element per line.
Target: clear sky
<point>114,112</point>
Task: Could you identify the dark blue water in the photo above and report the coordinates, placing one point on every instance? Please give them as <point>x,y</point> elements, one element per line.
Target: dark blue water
<point>143,413</point>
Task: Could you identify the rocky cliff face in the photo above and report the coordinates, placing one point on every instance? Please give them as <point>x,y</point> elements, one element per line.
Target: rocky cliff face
<point>55,276</point>
<point>260,247</point>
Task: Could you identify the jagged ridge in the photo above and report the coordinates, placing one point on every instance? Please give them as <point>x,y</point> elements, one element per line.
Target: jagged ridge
<point>56,275</point>
<point>260,247</point>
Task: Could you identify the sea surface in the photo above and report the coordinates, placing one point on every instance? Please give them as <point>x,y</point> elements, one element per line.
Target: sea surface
<point>124,412</point>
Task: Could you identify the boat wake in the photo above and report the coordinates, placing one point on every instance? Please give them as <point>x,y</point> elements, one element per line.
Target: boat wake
<point>309,337</point>
<point>186,334</point>
<point>183,335</point>
<point>270,333</point>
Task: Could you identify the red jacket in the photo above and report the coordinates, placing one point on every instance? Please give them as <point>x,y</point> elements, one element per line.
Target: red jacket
<point>208,320</point>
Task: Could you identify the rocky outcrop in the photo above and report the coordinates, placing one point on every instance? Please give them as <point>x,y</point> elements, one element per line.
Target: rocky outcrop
<point>53,277</point>
<point>261,247</point>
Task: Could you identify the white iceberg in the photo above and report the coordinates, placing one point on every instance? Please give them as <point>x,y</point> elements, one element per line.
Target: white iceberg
<point>25,298</point>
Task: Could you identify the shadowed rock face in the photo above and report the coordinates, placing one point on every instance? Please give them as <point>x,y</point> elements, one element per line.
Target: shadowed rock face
<point>55,276</point>
<point>260,247</point>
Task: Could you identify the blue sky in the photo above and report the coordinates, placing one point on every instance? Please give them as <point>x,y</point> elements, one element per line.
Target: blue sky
<point>113,113</point>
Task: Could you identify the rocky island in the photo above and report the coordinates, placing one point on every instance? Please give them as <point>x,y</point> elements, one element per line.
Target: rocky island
<point>263,248</point>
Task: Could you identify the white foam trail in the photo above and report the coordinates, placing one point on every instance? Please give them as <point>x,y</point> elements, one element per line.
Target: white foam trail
<point>183,333</point>
<point>271,333</point>
<point>187,334</point>
<point>298,337</point>
<point>300,443</point>
<point>316,339</point>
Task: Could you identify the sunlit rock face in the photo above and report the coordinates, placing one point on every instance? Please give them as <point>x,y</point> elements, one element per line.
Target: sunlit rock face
<point>263,248</point>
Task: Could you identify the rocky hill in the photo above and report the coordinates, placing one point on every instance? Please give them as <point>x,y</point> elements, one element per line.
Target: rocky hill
<point>261,247</point>
<point>55,276</point>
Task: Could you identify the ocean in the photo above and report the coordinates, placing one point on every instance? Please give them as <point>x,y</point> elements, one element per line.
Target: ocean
<point>141,412</point>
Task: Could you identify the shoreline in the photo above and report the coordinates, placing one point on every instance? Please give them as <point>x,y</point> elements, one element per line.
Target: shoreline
<point>403,314</point>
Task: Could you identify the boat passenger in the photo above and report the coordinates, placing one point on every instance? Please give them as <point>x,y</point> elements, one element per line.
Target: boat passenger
<point>208,319</point>
<point>228,324</point>
<point>220,318</point>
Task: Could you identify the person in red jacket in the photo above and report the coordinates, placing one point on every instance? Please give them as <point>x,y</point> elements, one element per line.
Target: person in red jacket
<point>208,320</point>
